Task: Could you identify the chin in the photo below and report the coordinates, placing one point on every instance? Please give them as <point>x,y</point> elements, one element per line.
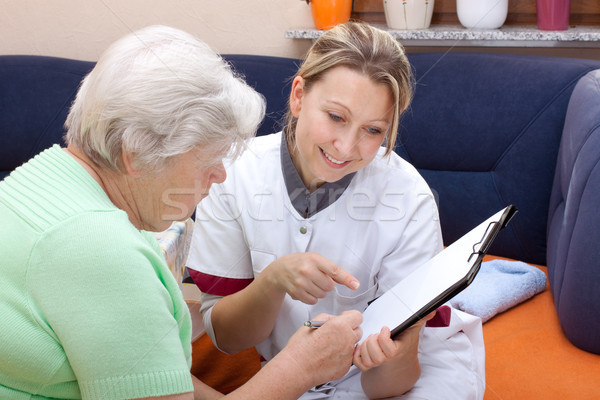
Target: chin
<point>159,227</point>
<point>333,176</point>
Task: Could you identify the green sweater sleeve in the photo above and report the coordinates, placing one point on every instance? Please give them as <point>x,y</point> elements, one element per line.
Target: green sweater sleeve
<point>102,290</point>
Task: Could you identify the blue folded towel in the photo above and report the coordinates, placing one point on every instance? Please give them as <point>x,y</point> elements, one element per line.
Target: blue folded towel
<point>499,285</point>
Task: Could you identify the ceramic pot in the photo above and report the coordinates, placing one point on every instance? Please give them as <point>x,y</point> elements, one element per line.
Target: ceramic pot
<point>408,14</point>
<point>482,14</point>
<point>553,15</point>
<point>328,13</point>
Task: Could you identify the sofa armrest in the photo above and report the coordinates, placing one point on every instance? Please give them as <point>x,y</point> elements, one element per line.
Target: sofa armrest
<point>574,219</point>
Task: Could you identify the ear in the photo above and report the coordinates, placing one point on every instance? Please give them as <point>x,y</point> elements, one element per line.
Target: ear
<point>128,164</point>
<point>296,95</point>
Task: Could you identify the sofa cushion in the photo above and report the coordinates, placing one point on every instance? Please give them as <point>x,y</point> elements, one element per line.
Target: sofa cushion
<point>272,77</point>
<point>574,219</point>
<point>36,95</point>
<point>484,131</point>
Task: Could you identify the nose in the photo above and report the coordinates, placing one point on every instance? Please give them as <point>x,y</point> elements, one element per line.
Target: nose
<point>346,141</point>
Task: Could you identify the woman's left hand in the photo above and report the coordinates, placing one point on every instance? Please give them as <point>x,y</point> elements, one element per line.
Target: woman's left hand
<point>379,348</point>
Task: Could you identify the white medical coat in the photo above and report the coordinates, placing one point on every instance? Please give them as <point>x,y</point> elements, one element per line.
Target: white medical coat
<point>380,229</point>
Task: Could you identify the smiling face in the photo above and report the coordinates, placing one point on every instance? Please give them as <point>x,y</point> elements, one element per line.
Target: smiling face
<point>342,120</point>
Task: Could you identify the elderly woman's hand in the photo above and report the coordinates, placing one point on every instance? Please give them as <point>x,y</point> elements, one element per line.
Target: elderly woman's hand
<point>325,354</point>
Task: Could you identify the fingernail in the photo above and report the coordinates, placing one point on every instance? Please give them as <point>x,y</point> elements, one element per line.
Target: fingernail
<point>354,284</point>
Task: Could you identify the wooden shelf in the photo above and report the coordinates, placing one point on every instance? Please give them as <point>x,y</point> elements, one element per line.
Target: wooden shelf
<point>520,12</point>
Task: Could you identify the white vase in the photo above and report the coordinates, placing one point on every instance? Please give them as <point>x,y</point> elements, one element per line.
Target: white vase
<point>408,14</point>
<point>482,14</point>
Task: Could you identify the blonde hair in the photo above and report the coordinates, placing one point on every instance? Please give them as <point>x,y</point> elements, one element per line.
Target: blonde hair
<point>159,92</point>
<point>367,50</point>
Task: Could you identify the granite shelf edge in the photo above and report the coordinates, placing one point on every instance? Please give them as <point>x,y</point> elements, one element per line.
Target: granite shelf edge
<point>507,35</point>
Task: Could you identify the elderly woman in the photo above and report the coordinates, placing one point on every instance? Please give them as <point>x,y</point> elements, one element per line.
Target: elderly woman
<point>88,306</point>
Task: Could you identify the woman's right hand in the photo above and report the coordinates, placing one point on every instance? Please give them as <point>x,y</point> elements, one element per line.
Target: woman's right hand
<point>325,354</point>
<point>308,276</point>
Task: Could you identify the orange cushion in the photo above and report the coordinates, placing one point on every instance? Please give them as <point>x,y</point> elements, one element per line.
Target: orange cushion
<point>223,372</point>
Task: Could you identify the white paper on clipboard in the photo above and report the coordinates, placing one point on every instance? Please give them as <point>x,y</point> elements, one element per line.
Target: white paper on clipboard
<point>435,282</point>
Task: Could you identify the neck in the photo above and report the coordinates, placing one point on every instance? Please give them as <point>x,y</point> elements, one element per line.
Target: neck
<point>116,185</point>
<point>296,157</point>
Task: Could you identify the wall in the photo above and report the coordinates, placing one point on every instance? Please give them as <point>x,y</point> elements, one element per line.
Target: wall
<point>82,29</point>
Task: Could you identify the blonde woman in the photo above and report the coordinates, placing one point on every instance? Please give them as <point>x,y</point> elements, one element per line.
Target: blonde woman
<point>325,217</point>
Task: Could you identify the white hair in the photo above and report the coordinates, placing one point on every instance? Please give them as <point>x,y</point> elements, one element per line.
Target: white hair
<point>157,93</point>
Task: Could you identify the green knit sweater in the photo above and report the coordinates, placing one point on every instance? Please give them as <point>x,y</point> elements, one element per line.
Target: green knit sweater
<point>88,306</point>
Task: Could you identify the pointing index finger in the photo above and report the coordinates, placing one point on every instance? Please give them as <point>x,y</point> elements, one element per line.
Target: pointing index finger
<point>341,276</point>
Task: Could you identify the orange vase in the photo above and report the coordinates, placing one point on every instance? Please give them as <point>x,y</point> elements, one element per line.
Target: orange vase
<point>329,13</point>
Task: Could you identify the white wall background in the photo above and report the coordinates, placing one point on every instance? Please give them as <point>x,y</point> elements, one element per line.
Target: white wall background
<point>82,29</point>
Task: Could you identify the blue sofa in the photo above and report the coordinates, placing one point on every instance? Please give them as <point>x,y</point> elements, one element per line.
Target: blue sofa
<point>485,130</point>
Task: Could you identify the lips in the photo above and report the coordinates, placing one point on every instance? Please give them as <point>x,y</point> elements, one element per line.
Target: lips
<point>332,161</point>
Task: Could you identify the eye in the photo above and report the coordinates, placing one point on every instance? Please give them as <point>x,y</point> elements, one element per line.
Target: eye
<point>335,117</point>
<point>374,131</point>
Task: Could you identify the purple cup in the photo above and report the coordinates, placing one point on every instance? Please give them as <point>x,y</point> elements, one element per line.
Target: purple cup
<point>553,15</point>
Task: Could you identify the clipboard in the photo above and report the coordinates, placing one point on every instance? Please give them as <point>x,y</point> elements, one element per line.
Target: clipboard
<point>436,281</point>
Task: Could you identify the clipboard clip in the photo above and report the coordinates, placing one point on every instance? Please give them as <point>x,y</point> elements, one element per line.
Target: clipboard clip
<point>492,231</point>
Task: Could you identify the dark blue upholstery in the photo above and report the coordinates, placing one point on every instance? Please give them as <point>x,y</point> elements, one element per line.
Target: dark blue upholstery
<point>484,131</point>
<point>271,76</point>
<point>35,95</point>
<point>574,222</point>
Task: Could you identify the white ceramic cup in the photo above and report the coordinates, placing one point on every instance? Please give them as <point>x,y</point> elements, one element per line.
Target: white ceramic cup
<point>408,14</point>
<point>482,14</point>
